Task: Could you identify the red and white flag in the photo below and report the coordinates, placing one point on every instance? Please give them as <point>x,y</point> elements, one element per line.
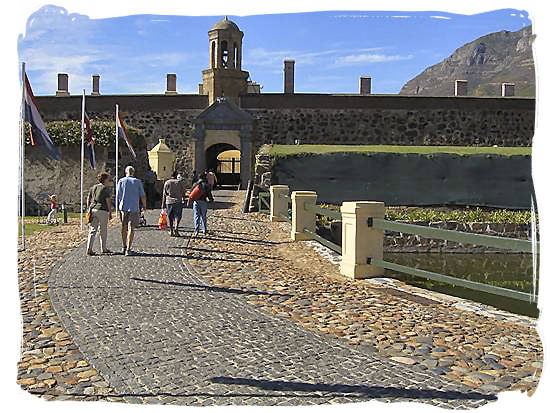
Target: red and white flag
<point>39,135</point>
<point>89,140</point>
<point>122,131</point>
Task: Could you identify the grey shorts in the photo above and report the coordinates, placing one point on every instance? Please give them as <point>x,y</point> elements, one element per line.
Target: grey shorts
<point>129,217</point>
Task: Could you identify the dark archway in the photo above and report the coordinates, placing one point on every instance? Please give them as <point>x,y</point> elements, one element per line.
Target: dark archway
<point>227,171</point>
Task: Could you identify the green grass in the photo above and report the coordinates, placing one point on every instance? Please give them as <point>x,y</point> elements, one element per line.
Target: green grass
<point>289,150</point>
<point>32,223</point>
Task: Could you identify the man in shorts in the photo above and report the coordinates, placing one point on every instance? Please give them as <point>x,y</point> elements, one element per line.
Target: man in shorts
<point>173,195</point>
<point>129,193</point>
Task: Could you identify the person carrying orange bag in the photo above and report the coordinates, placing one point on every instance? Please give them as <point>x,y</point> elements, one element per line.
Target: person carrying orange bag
<point>163,220</point>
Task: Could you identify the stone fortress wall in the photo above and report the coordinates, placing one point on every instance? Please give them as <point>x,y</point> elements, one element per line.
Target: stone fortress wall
<point>319,119</point>
<point>312,118</point>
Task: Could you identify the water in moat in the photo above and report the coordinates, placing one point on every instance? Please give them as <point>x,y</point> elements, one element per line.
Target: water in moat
<point>512,271</point>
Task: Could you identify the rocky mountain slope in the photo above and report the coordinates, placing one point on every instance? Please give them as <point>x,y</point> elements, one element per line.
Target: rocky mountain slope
<point>486,63</point>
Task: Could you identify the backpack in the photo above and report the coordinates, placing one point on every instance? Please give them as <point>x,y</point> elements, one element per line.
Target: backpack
<point>196,193</point>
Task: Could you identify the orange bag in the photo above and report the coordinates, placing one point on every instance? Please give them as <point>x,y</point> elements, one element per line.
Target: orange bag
<point>195,194</point>
<point>163,220</point>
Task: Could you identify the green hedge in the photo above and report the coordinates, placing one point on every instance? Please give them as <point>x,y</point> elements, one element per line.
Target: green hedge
<point>67,132</point>
<point>463,215</point>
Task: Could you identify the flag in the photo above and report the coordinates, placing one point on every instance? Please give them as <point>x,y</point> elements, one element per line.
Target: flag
<point>39,136</point>
<point>122,131</point>
<point>89,140</point>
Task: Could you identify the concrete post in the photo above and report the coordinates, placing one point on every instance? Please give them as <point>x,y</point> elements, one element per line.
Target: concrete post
<point>289,76</point>
<point>359,241</point>
<point>62,84</point>
<point>461,88</point>
<point>365,83</point>
<point>171,84</point>
<point>508,89</point>
<point>279,205</point>
<point>301,218</point>
<point>95,85</point>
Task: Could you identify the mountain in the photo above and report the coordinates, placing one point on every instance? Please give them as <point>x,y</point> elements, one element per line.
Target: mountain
<point>486,63</point>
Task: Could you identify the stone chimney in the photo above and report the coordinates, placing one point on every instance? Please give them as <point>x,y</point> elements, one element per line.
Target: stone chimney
<point>289,76</point>
<point>365,83</point>
<point>95,85</point>
<point>461,88</point>
<point>171,84</point>
<point>508,89</point>
<point>62,84</point>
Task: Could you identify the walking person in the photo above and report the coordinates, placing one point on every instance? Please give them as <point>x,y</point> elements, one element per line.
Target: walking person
<point>99,204</point>
<point>200,193</point>
<point>195,178</point>
<point>149,180</point>
<point>212,179</point>
<point>52,218</point>
<point>173,195</point>
<point>129,193</point>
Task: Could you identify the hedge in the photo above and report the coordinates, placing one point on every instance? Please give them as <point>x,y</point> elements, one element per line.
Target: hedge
<point>67,132</point>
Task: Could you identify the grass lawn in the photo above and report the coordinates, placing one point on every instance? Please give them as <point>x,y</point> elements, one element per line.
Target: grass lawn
<point>288,150</point>
<point>32,223</point>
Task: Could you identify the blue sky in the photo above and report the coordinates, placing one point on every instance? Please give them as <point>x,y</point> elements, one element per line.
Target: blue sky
<point>332,49</point>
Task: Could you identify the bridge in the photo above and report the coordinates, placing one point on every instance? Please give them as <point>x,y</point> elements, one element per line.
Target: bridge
<point>243,316</point>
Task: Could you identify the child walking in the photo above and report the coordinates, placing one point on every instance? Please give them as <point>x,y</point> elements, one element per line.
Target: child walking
<point>52,218</point>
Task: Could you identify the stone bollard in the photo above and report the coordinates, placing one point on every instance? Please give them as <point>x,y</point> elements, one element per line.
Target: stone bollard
<point>302,218</point>
<point>359,241</point>
<point>279,205</point>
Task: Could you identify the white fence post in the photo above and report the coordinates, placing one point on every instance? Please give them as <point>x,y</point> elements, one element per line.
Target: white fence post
<point>302,218</point>
<point>359,240</point>
<point>278,204</point>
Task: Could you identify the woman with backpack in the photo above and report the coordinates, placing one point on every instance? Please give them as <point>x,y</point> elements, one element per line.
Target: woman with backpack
<point>200,193</point>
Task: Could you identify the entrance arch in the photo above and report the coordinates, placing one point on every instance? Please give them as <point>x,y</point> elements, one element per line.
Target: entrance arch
<point>224,159</point>
<point>220,127</point>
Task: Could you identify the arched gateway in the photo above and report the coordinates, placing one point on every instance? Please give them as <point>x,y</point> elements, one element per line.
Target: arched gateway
<point>221,127</point>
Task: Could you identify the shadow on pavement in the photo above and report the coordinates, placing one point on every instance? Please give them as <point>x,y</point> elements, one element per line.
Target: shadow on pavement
<point>208,287</point>
<point>229,252</point>
<point>369,391</point>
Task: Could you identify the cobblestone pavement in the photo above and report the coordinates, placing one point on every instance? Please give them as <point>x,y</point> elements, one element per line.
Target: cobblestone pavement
<point>158,333</point>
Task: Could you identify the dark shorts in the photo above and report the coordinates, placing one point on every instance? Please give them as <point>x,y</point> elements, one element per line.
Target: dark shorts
<point>131,218</point>
<point>174,210</point>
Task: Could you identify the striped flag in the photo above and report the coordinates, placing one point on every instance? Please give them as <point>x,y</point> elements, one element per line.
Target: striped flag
<point>39,136</point>
<point>89,140</point>
<point>122,131</point>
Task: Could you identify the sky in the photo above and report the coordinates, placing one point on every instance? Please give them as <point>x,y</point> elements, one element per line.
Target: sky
<point>332,49</point>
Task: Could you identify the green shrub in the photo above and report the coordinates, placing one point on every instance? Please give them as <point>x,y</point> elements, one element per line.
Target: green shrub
<point>67,132</point>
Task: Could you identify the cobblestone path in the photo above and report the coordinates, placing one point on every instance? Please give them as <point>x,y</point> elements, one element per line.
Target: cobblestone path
<point>160,334</point>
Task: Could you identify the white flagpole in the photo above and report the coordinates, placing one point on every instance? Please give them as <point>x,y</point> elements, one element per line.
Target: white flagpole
<point>116,158</point>
<point>22,160</point>
<point>82,161</point>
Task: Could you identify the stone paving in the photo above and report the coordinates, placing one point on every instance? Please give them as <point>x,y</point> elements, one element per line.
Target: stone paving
<point>157,332</point>
<point>460,340</point>
<point>51,365</point>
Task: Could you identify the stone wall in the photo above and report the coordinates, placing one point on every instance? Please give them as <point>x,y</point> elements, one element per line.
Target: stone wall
<point>44,176</point>
<point>391,120</point>
<point>169,119</point>
<point>401,242</point>
<point>394,127</point>
<point>318,119</point>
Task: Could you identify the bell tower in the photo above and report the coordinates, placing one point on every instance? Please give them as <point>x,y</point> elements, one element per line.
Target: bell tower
<point>224,77</point>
